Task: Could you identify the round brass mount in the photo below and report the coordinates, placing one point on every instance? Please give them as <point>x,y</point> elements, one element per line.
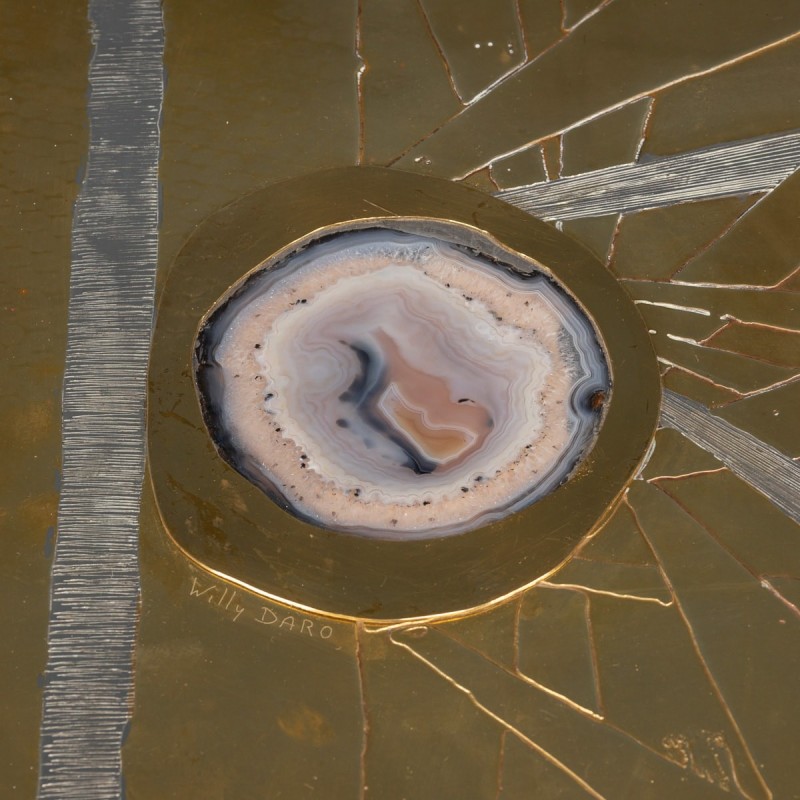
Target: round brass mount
<point>230,527</point>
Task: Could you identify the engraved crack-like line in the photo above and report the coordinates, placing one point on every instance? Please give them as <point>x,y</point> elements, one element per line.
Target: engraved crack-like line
<point>739,395</point>
<point>680,368</point>
<point>743,217</point>
<point>704,378</point>
<point>551,175</point>
<point>745,167</point>
<point>489,175</point>
<point>494,86</point>
<point>747,287</point>
<point>373,628</point>
<point>709,344</point>
<point>587,16</point>
<point>544,161</point>
<point>612,245</point>
<point>379,630</point>
<point>492,167</point>
<point>683,475</point>
<point>703,312</point>
<point>791,276</point>
<point>710,348</point>
<point>705,667</point>
<point>594,656</point>
<point>648,454</point>
<point>783,575</point>
<point>361,70</point>
<point>362,682</point>
<point>763,325</point>
<point>726,229</point>
<point>676,337</point>
<point>771,388</point>
<point>726,323</point>
<point>517,615</point>
<point>447,70</point>
<point>479,96</point>
<point>577,587</point>
<point>563,6</point>
<point>766,469</point>
<point>712,534</point>
<point>523,33</point>
<point>612,241</point>
<point>767,584</point>
<point>501,763</point>
<point>608,562</point>
<point>560,158</point>
<point>598,717</point>
<point>602,112</point>
<point>561,698</point>
<point>628,100</point>
<point>504,723</point>
<point>380,208</point>
<point>519,675</point>
<point>646,123</point>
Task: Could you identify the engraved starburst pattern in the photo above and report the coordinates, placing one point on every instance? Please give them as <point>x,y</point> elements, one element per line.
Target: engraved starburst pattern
<point>659,661</point>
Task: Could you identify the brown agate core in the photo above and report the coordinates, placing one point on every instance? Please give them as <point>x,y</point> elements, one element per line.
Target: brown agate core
<point>397,385</point>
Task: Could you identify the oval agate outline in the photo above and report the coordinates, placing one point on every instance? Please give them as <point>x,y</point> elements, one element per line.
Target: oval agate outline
<point>398,385</point>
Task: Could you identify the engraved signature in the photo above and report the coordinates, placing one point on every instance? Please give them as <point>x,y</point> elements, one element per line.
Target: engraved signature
<point>235,604</point>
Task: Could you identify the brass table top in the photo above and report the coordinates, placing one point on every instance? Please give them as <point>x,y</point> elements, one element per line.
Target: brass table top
<point>660,659</point>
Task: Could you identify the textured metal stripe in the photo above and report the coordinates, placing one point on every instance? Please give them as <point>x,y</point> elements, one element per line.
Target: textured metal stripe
<point>769,471</point>
<point>731,169</point>
<point>95,581</point>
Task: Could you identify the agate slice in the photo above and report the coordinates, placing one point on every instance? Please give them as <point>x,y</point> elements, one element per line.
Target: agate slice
<point>400,386</point>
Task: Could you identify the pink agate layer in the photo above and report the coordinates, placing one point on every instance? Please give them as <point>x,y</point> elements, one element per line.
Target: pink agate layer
<point>401,386</point>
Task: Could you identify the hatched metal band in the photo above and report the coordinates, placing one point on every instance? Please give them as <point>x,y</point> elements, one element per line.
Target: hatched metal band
<point>95,581</point>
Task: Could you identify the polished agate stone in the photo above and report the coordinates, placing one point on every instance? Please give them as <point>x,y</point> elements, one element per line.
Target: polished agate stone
<point>398,385</point>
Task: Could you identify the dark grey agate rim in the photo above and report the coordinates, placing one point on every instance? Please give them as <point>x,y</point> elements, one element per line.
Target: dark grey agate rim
<point>209,379</point>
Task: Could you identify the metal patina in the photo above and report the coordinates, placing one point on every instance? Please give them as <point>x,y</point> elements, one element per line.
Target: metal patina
<point>659,659</point>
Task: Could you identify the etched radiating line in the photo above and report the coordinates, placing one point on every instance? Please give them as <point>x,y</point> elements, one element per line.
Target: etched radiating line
<point>683,475</point>
<point>585,17</point>
<point>523,33</point>
<point>767,584</point>
<point>719,235</point>
<point>754,165</point>
<point>598,694</point>
<point>704,665</point>
<point>645,132</point>
<point>440,51</point>
<point>579,587</point>
<point>766,469</point>
<point>361,70</point>
<point>533,745</point>
<point>672,365</point>
<point>501,763</point>
<point>365,723</point>
<point>95,580</point>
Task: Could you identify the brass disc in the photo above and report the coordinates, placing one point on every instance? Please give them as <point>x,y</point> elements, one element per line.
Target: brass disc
<point>231,528</point>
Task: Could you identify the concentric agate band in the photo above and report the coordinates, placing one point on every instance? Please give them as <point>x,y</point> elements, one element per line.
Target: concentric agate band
<point>397,385</point>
